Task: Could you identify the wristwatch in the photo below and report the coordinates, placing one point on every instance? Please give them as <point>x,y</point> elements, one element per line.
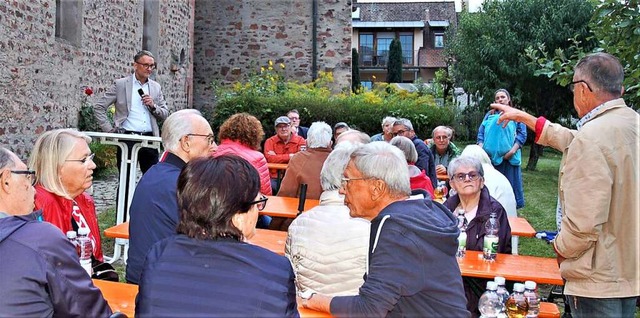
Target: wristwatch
<point>306,296</point>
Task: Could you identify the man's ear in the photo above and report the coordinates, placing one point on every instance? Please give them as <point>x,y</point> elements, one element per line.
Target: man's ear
<point>5,179</point>
<point>377,189</point>
<point>184,144</point>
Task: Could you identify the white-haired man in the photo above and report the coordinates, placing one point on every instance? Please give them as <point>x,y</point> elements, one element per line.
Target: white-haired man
<point>304,167</point>
<point>39,268</point>
<point>186,135</point>
<point>387,130</point>
<point>412,269</point>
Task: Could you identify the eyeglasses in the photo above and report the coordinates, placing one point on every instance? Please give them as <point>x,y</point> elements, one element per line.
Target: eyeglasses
<point>399,133</point>
<point>260,203</point>
<point>572,86</point>
<point>344,181</point>
<point>209,137</point>
<point>283,127</point>
<point>147,66</point>
<point>85,159</point>
<point>294,118</point>
<point>31,175</point>
<point>460,177</point>
<point>441,138</point>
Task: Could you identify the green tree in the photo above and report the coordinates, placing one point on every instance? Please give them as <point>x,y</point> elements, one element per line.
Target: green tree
<point>355,71</point>
<point>394,66</point>
<point>489,52</point>
<point>616,30</point>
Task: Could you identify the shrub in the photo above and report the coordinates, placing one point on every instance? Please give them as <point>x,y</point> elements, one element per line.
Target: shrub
<point>105,158</point>
<point>267,96</point>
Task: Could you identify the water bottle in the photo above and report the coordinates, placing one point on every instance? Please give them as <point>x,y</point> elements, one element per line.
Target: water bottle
<point>490,304</point>
<point>72,236</point>
<point>490,245</point>
<point>532,299</point>
<point>517,304</point>
<point>502,290</point>
<point>462,237</point>
<point>86,249</point>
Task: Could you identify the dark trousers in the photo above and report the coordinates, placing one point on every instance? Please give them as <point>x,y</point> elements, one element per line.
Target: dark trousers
<point>147,157</point>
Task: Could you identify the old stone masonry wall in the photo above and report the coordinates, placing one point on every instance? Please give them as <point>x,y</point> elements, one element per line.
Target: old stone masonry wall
<point>42,75</point>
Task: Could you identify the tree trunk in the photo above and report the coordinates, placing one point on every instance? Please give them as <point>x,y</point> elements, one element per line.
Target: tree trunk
<point>536,150</point>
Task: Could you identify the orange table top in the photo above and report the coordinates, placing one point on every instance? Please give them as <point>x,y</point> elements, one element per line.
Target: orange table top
<point>521,227</point>
<point>119,231</point>
<point>278,166</point>
<point>442,177</point>
<point>122,297</point>
<point>286,207</point>
<point>542,270</point>
<point>270,239</point>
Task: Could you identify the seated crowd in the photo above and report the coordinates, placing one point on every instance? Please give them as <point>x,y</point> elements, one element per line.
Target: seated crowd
<point>367,249</point>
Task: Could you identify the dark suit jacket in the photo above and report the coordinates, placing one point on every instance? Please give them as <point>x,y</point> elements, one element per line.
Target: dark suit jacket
<point>120,95</point>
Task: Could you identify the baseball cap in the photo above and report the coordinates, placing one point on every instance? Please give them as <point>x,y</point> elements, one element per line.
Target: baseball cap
<point>283,120</point>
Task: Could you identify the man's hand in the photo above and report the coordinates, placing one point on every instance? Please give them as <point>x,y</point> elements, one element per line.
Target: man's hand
<point>508,113</point>
<point>440,169</point>
<point>148,101</point>
<point>271,153</point>
<point>559,258</point>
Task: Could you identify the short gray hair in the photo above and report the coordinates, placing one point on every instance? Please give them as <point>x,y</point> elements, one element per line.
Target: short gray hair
<point>333,168</point>
<point>6,158</point>
<point>383,161</point>
<point>464,161</point>
<point>319,135</point>
<point>405,122</point>
<point>604,72</point>
<point>176,126</point>
<point>142,53</point>
<point>353,136</point>
<point>446,129</point>
<point>408,148</point>
<point>475,151</point>
<point>388,120</point>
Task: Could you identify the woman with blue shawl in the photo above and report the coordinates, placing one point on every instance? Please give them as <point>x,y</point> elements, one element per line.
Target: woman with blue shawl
<point>503,144</point>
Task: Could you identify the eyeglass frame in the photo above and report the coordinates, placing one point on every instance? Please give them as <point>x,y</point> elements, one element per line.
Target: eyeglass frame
<point>210,137</point>
<point>572,85</point>
<point>462,177</point>
<point>442,138</point>
<point>31,175</point>
<point>344,180</point>
<point>260,203</point>
<point>147,66</point>
<point>83,160</point>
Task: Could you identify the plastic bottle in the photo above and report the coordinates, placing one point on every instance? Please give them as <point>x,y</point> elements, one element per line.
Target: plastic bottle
<point>72,236</point>
<point>86,249</point>
<point>502,290</point>
<point>462,237</point>
<point>517,304</point>
<point>490,245</point>
<point>490,304</point>
<point>532,299</point>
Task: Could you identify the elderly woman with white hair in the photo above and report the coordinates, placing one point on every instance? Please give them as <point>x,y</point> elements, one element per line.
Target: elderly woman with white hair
<point>64,170</point>
<point>304,167</point>
<point>387,130</point>
<point>328,248</point>
<point>418,179</point>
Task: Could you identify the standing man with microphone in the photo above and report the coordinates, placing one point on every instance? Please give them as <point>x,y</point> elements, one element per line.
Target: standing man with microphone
<point>139,105</point>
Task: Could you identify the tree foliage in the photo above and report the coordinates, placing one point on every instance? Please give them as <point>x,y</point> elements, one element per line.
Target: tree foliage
<point>355,71</point>
<point>616,30</point>
<point>489,50</point>
<point>394,66</point>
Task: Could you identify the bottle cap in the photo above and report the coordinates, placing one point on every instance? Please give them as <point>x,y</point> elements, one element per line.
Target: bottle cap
<point>518,287</point>
<point>83,231</point>
<point>71,234</point>
<point>492,285</point>
<point>499,280</point>
<point>530,284</point>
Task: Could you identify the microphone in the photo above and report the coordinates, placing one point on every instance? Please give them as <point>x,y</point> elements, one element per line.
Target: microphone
<point>141,92</point>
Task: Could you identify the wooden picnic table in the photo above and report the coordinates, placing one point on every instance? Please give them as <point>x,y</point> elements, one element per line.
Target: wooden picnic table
<point>542,270</point>
<point>277,166</point>
<point>122,297</point>
<point>286,207</point>
<point>521,227</point>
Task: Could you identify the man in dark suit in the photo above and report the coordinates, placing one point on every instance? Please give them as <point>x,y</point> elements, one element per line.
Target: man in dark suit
<point>294,116</point>
<point>139,105</point>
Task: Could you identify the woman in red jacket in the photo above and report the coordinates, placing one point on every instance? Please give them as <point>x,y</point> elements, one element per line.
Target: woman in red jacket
<point>64,170</point>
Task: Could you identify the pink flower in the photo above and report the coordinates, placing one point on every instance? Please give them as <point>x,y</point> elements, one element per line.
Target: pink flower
<point>88,91</point>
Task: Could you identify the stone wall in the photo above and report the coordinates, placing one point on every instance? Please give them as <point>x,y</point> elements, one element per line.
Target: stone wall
<point>42,76</point>
<point>235,37</point>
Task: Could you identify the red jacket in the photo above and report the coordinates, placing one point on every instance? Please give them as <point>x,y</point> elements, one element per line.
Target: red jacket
<point>255,158</point>
<point>57,211</point>
<point>421,181</point>
<point>282,149</point>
